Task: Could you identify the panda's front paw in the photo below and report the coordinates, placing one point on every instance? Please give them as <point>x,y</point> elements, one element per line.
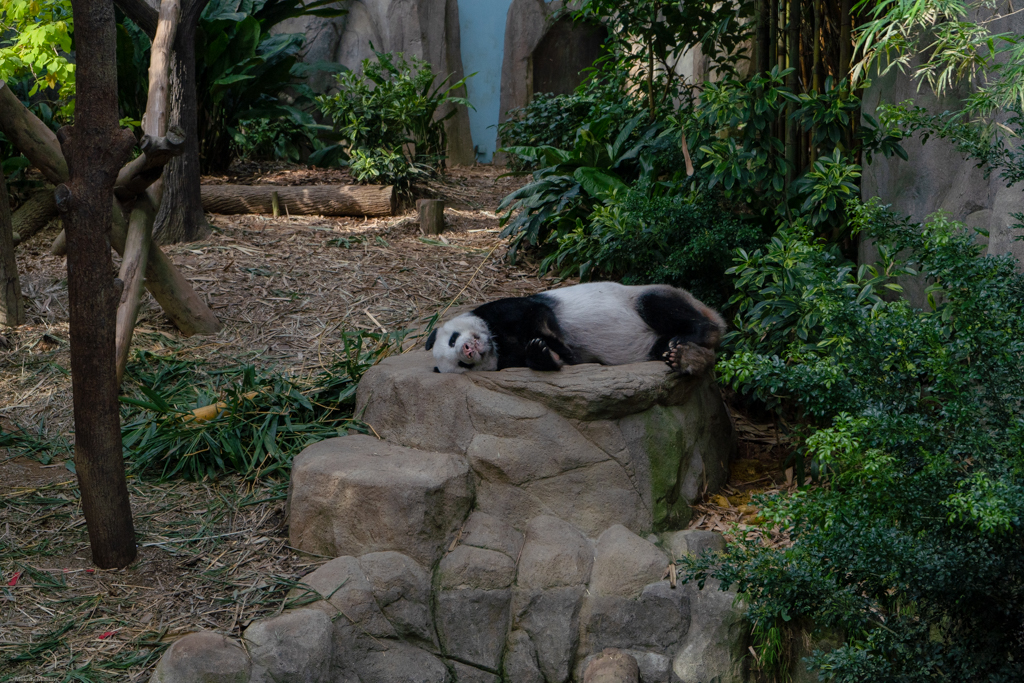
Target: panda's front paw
<point>688,358</point>
<point>539,356</point>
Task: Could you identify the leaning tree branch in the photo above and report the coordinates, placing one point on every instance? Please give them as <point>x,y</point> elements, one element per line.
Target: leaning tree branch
<point>145,169</point>
<point>31,137</point>
<point>142,13</point>
<point>140,225</point>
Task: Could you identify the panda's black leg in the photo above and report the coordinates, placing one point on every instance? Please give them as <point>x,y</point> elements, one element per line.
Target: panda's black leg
<point>688,358</point>
<point>539,356</point>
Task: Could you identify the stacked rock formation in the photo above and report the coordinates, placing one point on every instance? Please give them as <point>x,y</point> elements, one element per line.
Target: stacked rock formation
<point>500,530</point>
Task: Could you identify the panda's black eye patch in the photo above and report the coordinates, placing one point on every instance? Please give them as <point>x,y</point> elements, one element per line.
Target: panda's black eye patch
<point>465,365</point>
<point>451,341</point>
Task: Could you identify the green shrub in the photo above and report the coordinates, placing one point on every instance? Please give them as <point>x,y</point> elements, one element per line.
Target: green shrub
<point>266,139</point>
<point>914,422</point>
<point>682,240</point>
<point>388,119</point>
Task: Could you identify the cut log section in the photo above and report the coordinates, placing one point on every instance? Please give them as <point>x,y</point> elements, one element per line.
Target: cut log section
<point>431,216</point>
<point>314,200</point>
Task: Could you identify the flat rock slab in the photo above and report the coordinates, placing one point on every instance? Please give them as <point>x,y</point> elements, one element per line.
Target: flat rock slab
<point>356,494</point>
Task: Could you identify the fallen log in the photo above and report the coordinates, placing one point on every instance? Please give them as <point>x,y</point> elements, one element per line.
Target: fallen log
<point>34,214</point>
<point>312,200</point>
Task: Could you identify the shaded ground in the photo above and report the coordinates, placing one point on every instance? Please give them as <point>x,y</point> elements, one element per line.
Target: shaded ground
<point>214,555</point>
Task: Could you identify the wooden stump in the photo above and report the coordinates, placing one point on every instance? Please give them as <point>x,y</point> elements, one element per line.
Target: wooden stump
<point>314,200</point>
<point>12,308</point>
<point>431,216</point>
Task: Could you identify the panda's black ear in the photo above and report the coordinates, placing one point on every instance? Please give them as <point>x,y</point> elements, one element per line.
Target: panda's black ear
<point>436,370</point>
<point>431,339</point>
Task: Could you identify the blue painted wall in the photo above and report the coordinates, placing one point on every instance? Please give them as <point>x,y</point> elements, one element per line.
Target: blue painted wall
<point>482,32</point>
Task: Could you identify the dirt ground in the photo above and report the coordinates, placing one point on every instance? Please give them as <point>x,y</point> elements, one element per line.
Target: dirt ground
<point>214,555</point>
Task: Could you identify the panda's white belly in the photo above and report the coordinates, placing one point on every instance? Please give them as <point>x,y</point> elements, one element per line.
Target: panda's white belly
<point>600,321</point>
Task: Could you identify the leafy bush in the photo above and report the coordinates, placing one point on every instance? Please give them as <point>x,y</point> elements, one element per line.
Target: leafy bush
<point>387,118</point>
<point>676,239</point>
<point>267,418</point>
<point>914,421</point>
<point>37,46</point>
<point>266,139</point>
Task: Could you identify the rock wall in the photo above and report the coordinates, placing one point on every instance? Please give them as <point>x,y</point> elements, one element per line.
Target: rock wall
<point>500,530</point>
<point>938,177</point>
<point>427,29</point>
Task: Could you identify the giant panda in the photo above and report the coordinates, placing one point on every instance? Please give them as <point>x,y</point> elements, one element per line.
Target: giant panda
<point>598,322</point>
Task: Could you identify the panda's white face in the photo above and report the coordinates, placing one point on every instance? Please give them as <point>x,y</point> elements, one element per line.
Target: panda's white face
<point>463,343</point>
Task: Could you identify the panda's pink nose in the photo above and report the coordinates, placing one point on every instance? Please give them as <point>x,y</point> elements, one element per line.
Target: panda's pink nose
<point>468,347</point>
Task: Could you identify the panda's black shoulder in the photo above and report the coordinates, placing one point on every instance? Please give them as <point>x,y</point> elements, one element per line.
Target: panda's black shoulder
<point>514,311</point>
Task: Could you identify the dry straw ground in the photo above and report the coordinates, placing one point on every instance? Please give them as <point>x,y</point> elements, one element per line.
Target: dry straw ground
<point>214,555</point>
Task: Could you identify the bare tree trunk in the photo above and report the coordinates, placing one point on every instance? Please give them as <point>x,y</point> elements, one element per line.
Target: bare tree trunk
<point>100,149</point>
<point>12,308</point>
<point>793,49</point>
<point>764,7</point>
<point>180,217</point>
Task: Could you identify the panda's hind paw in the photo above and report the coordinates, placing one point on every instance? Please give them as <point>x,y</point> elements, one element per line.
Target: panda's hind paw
<point>687,358</point>
<point>539,356</point>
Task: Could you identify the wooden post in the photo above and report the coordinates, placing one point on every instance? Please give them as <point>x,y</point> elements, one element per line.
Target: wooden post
<point>431,216</point>
<point>12,308</point>
<point>95,150</point>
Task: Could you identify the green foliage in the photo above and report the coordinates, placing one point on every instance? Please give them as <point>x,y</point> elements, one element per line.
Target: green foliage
<point>914,421</point>
<point>266,139</point>
<point>267,420</point>
<point>643,237</point>
<point>388,119</point>
<point>244,72</point>
<point>37,45</point>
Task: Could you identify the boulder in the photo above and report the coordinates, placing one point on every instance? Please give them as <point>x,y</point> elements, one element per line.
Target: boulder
<point>555,554</point>
<point>520,663</point>
<point>401,588</point>
<point>657,621</point>
<point>355,495</point>
<point>612,666</point>
<point>203,657</point>
<point>625,564</point>
<point>347,598</point>
<point>551,618</point>
<point>653,668</point>
<point>393,661</point>
<point>473,625</point>
<point>294,647</point>
<point>470,674</point>
<point>692,542</point>
<point>715,647</point>
<point>487,531</point>
<point>629,444</point>
<point>470,567</point>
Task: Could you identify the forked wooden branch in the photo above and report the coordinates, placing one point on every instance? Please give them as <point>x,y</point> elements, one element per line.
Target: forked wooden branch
<point>168,286</point>
<point>143,171</point>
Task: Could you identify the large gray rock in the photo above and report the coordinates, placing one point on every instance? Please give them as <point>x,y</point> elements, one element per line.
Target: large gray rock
<point>347,597</point>
<point>294,647</point>
<point>692,542</point>
<point>203,657</point>
<point>612,666</point>
<point>555,554</point>
<point>487,531</point>
<point>393,661</point>
<point>715,647</point>
<point>521,660</point>
<point>470,674</point>
<point>401,589</point>
<point>625,564</point>
<point>593,445</point>
<point>356,494</point>
<point>473,625</point>
<point>552,620</point>
<point>657,621</point>
<point>470,567</point>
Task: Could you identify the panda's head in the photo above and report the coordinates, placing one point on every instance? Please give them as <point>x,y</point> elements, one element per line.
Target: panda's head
<point>463,343</point>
